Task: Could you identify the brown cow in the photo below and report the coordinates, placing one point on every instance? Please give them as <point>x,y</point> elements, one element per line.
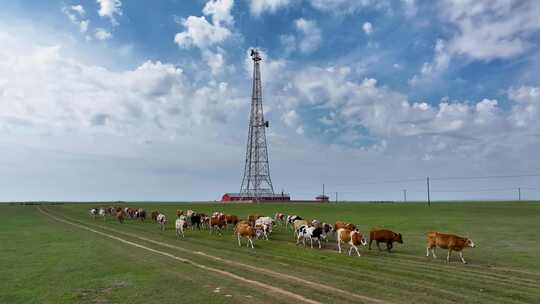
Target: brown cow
<point>252,218</point>
<point>154,216</point>
<point>384,236</point>
<point>447,241</point>
<point>279,218</point>
<point>245,230</point>
<point>352,237</point>
<point>179,212</point>
<point>346,225</point>
<point>217,222</point>
<point>120,216</point>
<point>231,219</point>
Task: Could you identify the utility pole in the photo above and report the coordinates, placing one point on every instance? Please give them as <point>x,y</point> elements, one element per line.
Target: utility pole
<point>405,195</point>
<point>428,194</point>
<point>336,197</point>
<point>323,190</point>
<point>519,194</point>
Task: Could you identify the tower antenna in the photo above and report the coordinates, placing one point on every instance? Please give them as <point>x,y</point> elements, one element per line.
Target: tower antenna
<point>256,182</point>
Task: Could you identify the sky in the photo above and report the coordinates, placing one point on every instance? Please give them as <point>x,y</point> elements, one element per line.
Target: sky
<point>149,100</point>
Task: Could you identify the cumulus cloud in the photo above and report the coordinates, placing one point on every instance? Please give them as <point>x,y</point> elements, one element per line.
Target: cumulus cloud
<point>259,7</point>
<point>368,28</point>
<point>110,9</point>
<point>76,14</point>
<point>490,29</point>
<point>201,33</point>
<point>102,34</point>
<point>309,36</point>
<point>526,110</point>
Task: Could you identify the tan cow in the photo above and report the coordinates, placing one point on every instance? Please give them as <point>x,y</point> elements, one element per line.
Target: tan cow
<point>447,241</point>
<point>352,237</point>
<point>245,230</point>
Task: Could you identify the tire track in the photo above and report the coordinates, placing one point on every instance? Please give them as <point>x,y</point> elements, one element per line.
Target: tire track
<point>278,275</point>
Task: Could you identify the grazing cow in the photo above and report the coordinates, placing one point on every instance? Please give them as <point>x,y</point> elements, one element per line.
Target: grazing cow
<point>162,221</point>
<point>140,214</point>
<point>279,218</point>
<point>120,216</point>
<point>179,212</point>
<point>291,219</point>
<point>384,236</point>
<point>346,225</point>
<point>310,233</point>
<point>217,222</point>
<point>93,212</point>
<point>154,216</point>
<point>352,237</point>
<point>245,230</point>
<point>447,241</point>
<point>180,224</point>
<point>205,221</point>
<point>231,219</point>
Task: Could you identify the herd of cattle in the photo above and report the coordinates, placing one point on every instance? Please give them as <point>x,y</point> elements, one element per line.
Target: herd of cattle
<point>258,226</point>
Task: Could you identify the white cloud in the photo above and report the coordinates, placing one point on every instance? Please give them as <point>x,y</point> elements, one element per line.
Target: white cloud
<point>491,29</point>
<point>79,9</point>
<point>110,9</point>
<point>348,6</point>
<point>310,35</point>
<point>220,10</point>
<point>526,110</point>
<point>258,7</point>
<point>75,14</point>
<point>368,28</point>
<point>102,34</point>
<point>84,26</point>
<point>203,34</point>
<point>431,70</point>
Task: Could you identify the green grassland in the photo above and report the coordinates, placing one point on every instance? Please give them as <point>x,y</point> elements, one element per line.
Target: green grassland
<point>43,260</point>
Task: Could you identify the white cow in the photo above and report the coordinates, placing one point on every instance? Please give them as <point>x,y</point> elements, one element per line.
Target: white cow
<point>102,212</point>
<point>180,223</point>
<point>93,212</point>
<point>162,220</point>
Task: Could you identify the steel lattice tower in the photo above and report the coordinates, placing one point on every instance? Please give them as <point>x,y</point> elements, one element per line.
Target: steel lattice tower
<point>256,182</point>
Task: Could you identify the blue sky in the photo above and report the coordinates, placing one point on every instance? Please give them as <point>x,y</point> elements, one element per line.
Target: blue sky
<point>115,99</point>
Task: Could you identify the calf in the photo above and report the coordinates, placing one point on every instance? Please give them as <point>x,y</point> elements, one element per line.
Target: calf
<point>311,233</point>
<point>162,221</point>
<point>247,231</point>
<point>447,241</point>
<point>352,237</point>
<point>384,236</point>
<point>180,224</point>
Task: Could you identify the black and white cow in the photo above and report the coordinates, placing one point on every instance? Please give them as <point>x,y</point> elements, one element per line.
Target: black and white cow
<point>94,212</point>
<point>311,233</point>
<point>291,219</point>
<point>162,221</point>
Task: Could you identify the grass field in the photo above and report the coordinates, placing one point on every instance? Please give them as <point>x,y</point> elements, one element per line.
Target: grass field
<point>58,254</point>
